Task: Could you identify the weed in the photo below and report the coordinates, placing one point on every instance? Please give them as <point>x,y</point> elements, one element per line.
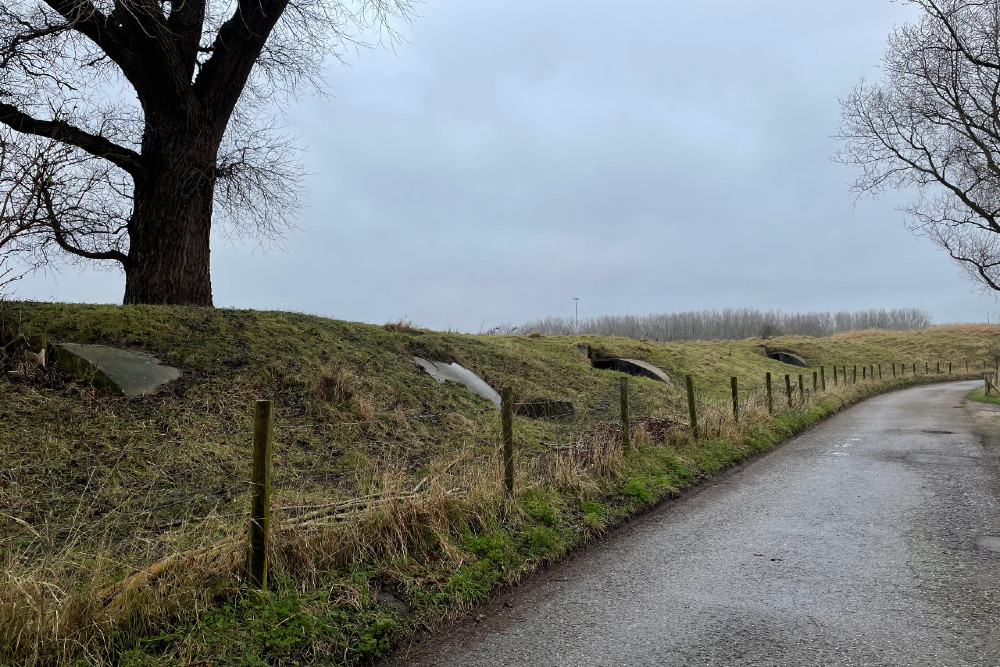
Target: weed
<point>402,324</point>
<point>539,506</point>
<point>637,490</point>
<point>593,516</point>
<point>496,546</point>
<point>544,542</point>
<point>336,385</point>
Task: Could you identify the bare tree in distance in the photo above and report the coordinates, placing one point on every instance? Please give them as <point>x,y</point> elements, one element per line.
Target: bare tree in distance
<point>135,176</point>
<point>732,324</point>
<point>932,124</point>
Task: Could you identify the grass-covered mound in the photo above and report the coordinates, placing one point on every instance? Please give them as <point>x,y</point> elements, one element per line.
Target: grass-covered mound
<point>123,521</point>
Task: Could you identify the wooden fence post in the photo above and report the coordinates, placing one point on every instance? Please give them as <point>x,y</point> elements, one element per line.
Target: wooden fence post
<point>507,432</point>
<point>736,399</point>
<point>822,378</point>
<point>694,415</point>
<point>626,424</point>
<point>864,372</point>
<point>926,371</point>
<point>880,371</point>
<point>788,389</point>
<point>854,375</point>
<point>894,370</point>
<point>260,504</point>
<point>938,368</point>
<point>835,381</point>
<point>949,368</point>
<point>843,370</point>
<point>815,381</point>
<point>770,398</point>
<point>802,391</point>
<point>914,369</point>
<point>871,372</point>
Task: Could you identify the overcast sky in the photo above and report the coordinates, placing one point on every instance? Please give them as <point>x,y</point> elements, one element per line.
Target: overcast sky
<point>646,157</point>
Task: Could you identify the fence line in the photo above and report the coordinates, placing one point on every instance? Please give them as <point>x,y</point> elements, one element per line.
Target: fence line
<point>264,431</point>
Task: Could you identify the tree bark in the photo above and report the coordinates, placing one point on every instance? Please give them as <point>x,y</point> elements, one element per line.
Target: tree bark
<point>171,224</point>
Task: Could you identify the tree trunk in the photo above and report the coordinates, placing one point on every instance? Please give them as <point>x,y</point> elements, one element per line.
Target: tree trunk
<point>171,224</point>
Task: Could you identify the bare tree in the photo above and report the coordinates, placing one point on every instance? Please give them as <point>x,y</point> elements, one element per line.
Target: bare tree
<point>933,125</point>
<point>159,112</point>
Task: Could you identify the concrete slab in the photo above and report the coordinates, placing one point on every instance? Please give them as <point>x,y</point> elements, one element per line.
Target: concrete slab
<point>786,357</point>
<point>122,372</point>
<point>445,372</point>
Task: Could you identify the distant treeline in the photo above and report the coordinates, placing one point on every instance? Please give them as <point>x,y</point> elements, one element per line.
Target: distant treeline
<point>732,324</point>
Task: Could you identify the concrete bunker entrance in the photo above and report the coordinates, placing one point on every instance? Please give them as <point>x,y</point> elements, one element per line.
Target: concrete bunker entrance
<point>785,357</point>
<point>636,367</point>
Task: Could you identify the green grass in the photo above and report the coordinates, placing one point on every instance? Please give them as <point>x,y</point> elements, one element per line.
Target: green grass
<point>979,395</point>
<point>95,488</point>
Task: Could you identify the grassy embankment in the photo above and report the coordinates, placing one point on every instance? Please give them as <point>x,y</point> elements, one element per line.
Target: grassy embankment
<point>389,516</point>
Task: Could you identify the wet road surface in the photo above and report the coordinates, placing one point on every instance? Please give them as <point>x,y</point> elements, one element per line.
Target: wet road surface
<point>873,539</point>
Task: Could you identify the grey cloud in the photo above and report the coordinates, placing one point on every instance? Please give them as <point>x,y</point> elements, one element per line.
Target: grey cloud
<point>648,157</point>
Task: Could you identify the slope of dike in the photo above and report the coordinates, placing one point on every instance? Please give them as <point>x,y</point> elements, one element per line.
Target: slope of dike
<point>123,520</point>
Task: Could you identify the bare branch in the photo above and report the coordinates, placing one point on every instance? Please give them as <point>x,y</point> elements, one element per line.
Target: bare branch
<point>62,237</point>
<point>85,18</point>
<point>60,131</point>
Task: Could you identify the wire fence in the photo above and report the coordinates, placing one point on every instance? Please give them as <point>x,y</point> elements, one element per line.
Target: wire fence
<point>315,465</point>
<point>568,423</point>
<point>538,428</point>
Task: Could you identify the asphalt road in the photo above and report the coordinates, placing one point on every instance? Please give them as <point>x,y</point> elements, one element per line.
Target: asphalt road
<point>873,539</point>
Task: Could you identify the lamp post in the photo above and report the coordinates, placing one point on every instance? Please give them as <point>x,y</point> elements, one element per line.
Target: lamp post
<point>576,314</point>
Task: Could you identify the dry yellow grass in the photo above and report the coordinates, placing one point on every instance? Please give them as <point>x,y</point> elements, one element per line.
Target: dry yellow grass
<point>966,329</point>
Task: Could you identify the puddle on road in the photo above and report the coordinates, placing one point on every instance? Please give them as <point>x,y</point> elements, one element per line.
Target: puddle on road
<point>989,543</point>
<point>964,461</point>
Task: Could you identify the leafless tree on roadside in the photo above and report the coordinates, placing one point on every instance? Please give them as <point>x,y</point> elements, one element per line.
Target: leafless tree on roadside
<point>932,125</point>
